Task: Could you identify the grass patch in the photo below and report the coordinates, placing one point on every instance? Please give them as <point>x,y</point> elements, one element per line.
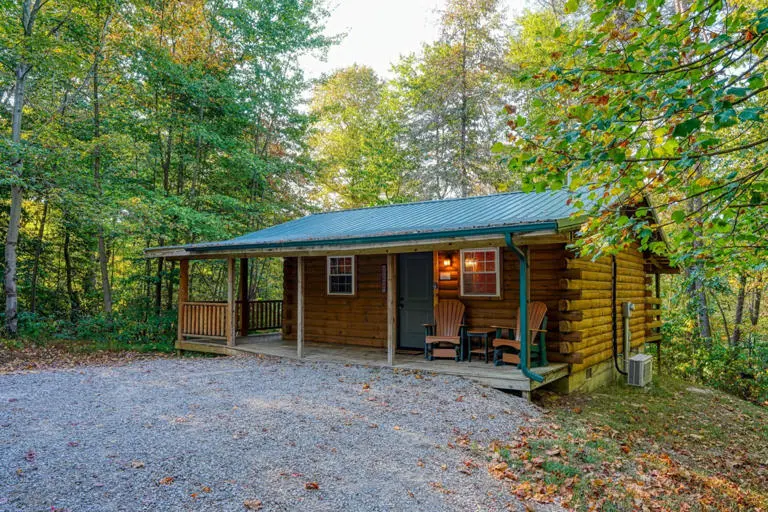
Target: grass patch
<point>670,446</point>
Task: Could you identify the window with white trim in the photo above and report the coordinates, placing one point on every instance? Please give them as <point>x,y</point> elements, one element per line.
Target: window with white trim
<point>341,275</point>
<point>480,272</point>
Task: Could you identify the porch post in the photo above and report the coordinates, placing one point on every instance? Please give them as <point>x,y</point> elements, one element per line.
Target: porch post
<point>245,308</point>
<point>391,309</point>
<point>300,307</point>
<point>230,316</point>
<point>183,297</point>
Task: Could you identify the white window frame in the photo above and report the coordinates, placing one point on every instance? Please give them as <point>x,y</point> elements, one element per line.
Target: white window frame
<point>497,272</point>
<point>328,275</point>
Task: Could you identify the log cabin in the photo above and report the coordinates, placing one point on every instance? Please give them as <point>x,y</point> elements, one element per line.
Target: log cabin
<point>359,286</point>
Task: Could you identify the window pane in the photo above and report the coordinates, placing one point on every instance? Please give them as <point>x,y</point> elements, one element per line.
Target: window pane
<point>340,275</point>
<point>341,284</point>
<point>480,272</point>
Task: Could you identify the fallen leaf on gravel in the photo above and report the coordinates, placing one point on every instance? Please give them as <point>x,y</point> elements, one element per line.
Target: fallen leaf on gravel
<point>73,444</point>
<point>206,489</point>
<point>312,486</point>
<point>42,358</point>
<point>366,386</point>
<point>30,456</point>
<point>253,504</point>
<point>166,480</point>
<point>396,427</point>
<point>460,398</point>
<point>137,464</point>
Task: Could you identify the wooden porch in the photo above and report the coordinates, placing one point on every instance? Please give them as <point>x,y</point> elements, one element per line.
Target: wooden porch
<point>501,377</point>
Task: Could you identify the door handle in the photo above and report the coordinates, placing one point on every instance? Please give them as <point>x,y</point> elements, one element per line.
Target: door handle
<point>401,303</point>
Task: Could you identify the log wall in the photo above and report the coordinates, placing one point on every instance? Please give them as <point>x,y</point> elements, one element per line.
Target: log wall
<point>577,292</point>
<point>545,261</point>
<point>586,328</point>
<point>356,320</point>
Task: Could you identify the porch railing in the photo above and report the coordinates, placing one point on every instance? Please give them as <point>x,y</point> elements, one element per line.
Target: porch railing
<point>204,319</point>
<point>263,314</point>
<point>209,319</point>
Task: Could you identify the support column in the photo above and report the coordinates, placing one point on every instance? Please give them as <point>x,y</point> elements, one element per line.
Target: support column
<point>391,309</point>
<point>300,307</point>
<point>245,307</point>
<point>230,316</point>
<point>183,297</point>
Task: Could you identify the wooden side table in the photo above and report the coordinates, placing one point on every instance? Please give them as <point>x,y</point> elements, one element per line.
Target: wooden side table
<point>485,335</point>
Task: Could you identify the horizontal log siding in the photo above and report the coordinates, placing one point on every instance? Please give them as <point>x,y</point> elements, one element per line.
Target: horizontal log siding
<point>586,327</point>
<point>577,292</point>
<point>358,320</point>
<point>545,262</point>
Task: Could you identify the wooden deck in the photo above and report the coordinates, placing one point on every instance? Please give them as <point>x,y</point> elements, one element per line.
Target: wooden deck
<point>500,377</point>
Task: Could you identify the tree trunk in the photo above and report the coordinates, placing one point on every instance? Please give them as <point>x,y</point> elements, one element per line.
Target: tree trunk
<point>739,315</point>
<point>169,299</point>
<point>148,277</point>
<point>106,288</point>
<point>14,219</point>
<point>725,318</point>
<point>74,303</point>
<point>159,285</point>
<point>754,307</point>
<point>464,178</point>
<point>167,162</point>
<point>698,288</point>
<point>38,254</point>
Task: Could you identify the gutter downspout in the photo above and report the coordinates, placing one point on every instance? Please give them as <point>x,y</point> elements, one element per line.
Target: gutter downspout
<point>523,311</point>
<point>614,320</point>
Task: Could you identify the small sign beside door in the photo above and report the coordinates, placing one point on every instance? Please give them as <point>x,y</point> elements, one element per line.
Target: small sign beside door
<point>383,279</point>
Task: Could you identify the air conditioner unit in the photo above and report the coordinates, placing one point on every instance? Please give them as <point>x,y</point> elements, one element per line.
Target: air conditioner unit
<point>640,370</point>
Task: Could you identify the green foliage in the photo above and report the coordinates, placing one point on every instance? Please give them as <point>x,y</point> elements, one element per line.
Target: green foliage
<point>739,370</point>
<point>643,102</point>
<point>202,136</point>
<point>357,141</point>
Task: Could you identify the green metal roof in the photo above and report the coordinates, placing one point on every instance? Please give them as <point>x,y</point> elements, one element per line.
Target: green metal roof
<point>498,213</point>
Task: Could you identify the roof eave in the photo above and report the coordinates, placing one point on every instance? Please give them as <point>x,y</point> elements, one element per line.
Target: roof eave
<point>337,244</point>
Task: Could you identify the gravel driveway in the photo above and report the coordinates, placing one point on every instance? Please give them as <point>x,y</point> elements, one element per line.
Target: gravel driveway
<point>210,434</point>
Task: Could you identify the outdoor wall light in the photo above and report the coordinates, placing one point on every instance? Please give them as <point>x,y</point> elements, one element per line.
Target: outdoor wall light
<point>447,261</point>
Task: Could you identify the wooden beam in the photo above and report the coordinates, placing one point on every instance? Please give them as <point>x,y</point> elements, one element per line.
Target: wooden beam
<point>183,296</point>
<point>243,297</point>
<point>300,307</point>
<point>230,316</point>
<point>391,308</point>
